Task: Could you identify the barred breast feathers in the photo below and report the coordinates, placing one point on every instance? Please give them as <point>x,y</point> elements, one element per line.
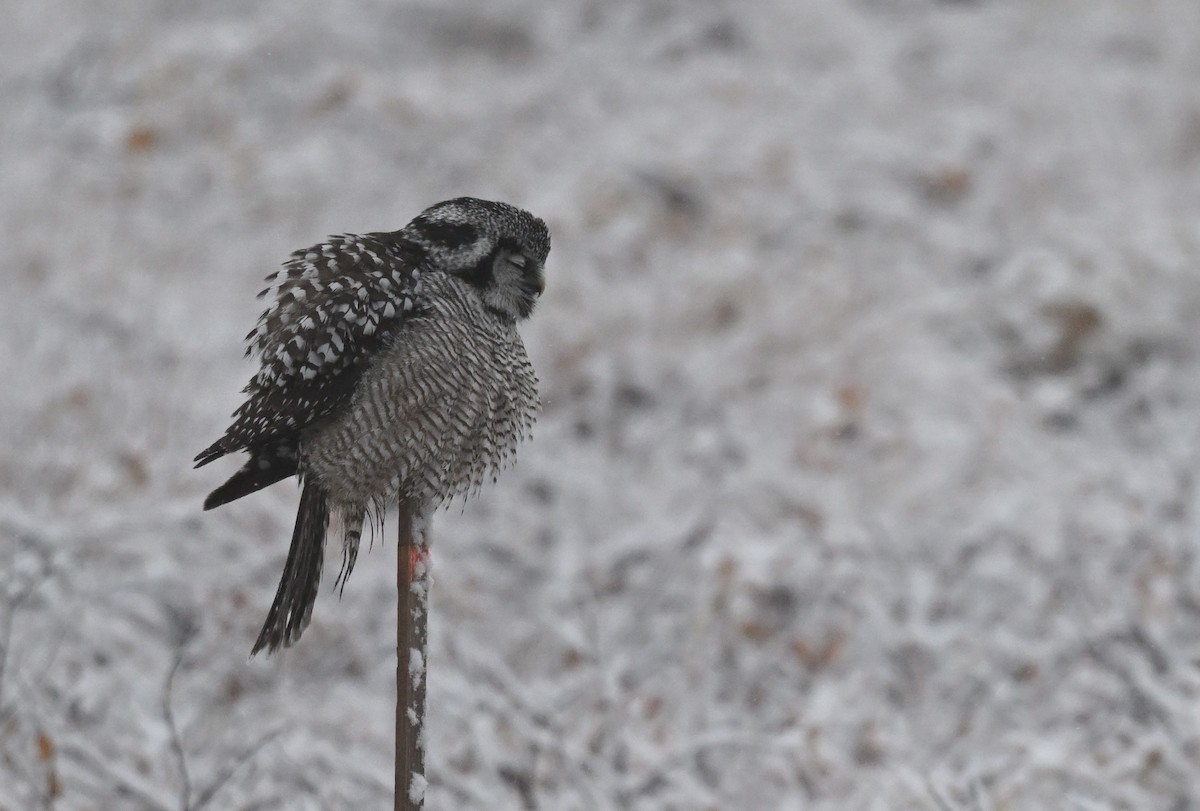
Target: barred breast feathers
<point>442,407</point>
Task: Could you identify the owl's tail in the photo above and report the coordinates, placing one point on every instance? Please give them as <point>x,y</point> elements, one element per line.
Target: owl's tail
<point>292,608</point>
<point>267,465</point>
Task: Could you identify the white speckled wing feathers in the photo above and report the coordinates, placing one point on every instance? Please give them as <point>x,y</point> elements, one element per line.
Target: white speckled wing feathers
<point>332,307</point>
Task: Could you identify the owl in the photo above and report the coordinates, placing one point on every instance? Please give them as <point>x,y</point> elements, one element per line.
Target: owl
<point>391,371</point>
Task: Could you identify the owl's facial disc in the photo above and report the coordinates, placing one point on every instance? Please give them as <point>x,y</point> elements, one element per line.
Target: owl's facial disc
<point>514,283</point>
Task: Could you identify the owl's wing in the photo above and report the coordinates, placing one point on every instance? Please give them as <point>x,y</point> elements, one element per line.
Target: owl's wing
<point>334,306</point>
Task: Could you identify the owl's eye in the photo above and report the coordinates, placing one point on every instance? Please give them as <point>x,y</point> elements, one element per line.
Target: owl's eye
<point>517,260</point>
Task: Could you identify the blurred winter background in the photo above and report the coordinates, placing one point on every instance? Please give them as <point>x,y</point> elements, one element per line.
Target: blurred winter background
<point>866,477</point>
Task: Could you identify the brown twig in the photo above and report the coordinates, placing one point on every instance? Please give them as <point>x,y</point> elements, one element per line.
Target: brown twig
<point>412,585</point>
<point>185,789</point>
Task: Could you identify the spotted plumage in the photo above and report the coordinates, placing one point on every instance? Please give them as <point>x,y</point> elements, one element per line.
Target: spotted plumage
<point>390,370</point>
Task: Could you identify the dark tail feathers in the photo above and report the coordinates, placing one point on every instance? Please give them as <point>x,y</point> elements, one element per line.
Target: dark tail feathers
<point>267,465</point>
<point>292,608</point>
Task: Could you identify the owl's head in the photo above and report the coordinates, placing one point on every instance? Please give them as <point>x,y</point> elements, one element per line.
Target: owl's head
<point>496,248</point>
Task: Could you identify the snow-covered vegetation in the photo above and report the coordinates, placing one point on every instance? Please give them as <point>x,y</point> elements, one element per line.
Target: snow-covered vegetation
<point>866,477</point>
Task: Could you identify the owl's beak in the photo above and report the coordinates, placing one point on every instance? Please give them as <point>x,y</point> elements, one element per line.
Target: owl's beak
<point>535,280</point>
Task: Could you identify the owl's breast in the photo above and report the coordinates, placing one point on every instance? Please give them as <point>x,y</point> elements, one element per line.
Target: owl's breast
<point>441,409</point>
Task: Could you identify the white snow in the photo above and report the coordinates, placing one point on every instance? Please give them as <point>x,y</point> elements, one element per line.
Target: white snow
<point>416,667</point>
<point>869,352</point>
<point>417,787</point>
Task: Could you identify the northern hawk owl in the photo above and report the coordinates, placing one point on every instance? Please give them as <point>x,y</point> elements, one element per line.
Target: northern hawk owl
<point>391,370</point>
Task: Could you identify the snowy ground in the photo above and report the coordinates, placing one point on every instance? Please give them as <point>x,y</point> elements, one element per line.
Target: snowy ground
<point>866,476</point>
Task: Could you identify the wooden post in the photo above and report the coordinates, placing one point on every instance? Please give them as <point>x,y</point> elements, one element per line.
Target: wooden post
<point>412,586</point>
